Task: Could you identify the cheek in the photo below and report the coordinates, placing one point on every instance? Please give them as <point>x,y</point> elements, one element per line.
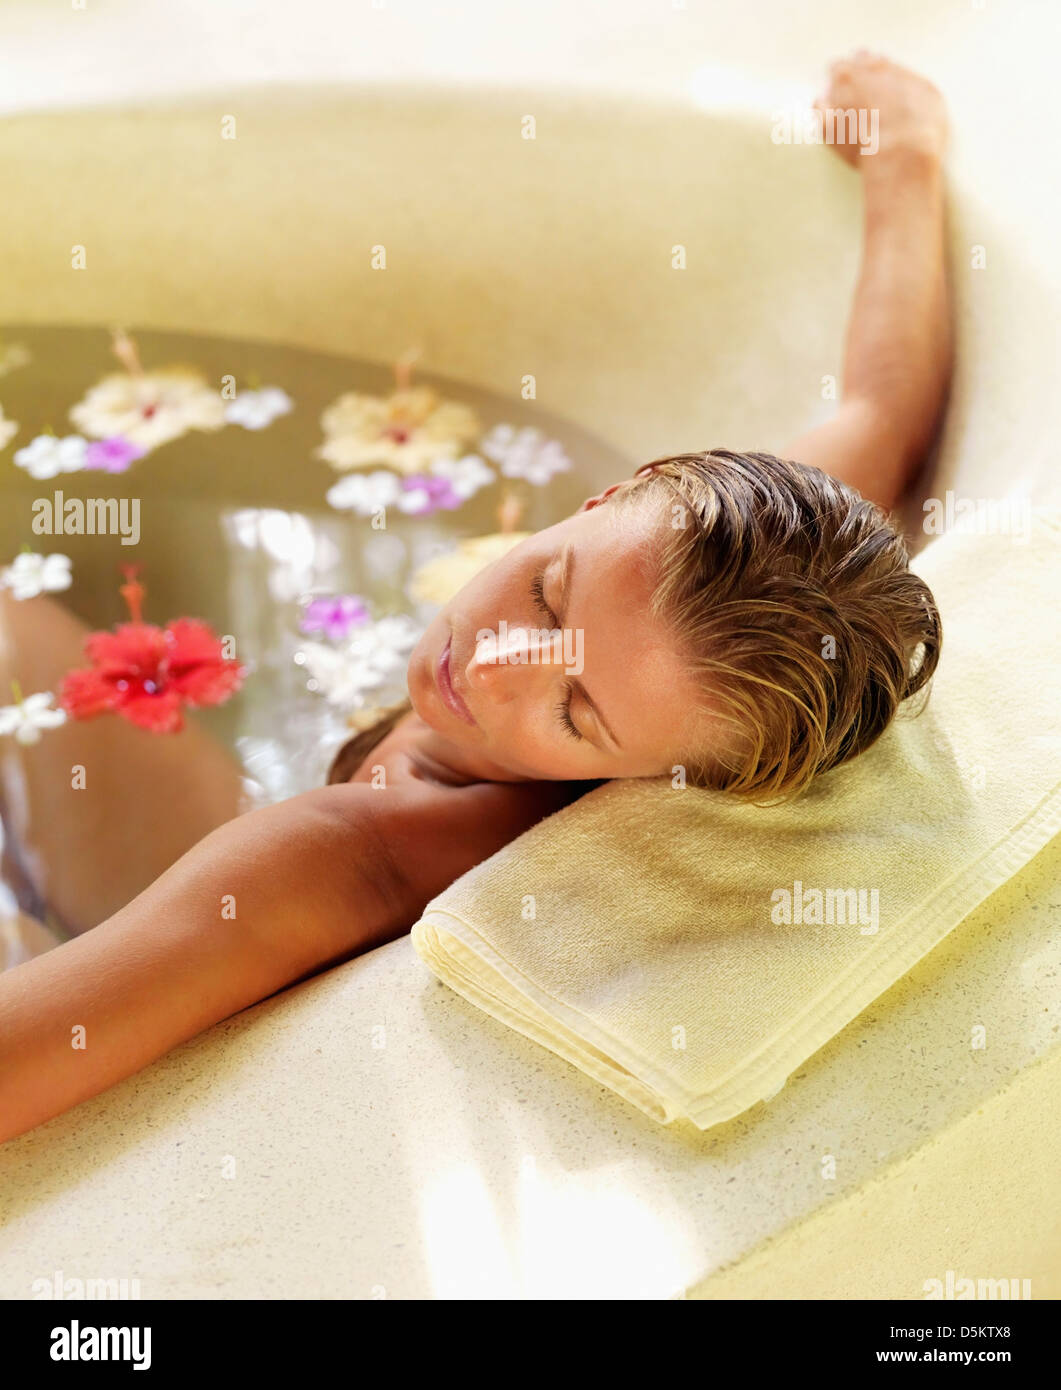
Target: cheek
<point>523,741</point>
<point>536,746</point>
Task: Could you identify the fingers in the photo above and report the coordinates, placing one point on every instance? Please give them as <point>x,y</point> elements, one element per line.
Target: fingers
<point>843,72</point>
<point>861,56</point>
<point>841,69</point>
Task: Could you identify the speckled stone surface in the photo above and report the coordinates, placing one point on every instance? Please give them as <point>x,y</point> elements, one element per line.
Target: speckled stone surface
<point>370,1132</point>
<point>299,1151</point>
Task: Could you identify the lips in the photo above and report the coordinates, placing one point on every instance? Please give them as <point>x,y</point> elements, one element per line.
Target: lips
<point>447,689</point>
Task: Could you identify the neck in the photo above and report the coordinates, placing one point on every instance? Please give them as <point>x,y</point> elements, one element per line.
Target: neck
<point>444,760</point>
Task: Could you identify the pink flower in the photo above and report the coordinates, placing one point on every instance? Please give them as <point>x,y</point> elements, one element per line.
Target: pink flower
<point>113,455</point>
<point>334,616</point>
<point>425,492</point>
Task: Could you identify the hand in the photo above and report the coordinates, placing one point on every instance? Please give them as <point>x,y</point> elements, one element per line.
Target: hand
<point>912,115</point>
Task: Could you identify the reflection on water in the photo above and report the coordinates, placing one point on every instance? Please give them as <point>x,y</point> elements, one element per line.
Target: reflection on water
<point>276,562</point>
<point>235,527</point>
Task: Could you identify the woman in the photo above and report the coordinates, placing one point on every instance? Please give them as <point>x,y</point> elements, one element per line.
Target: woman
<point>745,620</point>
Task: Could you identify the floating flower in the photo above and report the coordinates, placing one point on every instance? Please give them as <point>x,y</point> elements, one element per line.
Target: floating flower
<point>254,410</point>
<point>113,455</point>
<point>149,408</point>
<point>365,493</point>
<point>334,616</point>
<point>8,429</point>
<point>146,674</point>
<point>423,493</point>
<point>383,646</point>
<point>466,475</point>
<point>46,456</point>
<point>26,718</point>
<point>374,655</point>
<point>366,717</point>
<point>525,453</point>
<point>30,574</point>
<point>406,431</point>
<point>437,580</point>
<point>341,680</point>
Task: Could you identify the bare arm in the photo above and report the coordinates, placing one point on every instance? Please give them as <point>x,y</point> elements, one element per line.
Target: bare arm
<point>267,899</point>
<point>898,352</point>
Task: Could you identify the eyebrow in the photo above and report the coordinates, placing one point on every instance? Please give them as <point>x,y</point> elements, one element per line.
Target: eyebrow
<point>566,572</point>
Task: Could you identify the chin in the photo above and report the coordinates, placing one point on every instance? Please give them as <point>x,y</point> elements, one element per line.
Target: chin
<point>424,709</point>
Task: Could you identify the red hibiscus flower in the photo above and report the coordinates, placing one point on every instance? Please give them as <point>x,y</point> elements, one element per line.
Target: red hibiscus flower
<point>147,674</point>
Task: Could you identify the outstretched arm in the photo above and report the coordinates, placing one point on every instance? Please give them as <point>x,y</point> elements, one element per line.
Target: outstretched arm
<point>898,353</point>
<point>270,898</point>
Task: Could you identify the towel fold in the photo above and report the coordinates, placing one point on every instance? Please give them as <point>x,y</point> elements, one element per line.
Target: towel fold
<point>690,952</point>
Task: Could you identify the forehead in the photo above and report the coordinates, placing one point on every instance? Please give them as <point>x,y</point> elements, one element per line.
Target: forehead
<point>635,669</point>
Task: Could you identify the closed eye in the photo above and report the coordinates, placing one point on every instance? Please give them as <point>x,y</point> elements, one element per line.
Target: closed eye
<point>538,590</point>
<point>563,714</point>
<point>563,709</point>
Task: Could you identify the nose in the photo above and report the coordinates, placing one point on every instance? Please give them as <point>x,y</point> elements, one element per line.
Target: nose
<point>507,664</point>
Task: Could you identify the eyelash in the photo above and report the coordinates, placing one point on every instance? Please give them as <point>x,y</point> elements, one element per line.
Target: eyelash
<point>563,714</point>
<point>538,590</point>
<point>563,709</point>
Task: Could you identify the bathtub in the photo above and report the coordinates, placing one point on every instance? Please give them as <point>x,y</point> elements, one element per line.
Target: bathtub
<point>369,1134</point>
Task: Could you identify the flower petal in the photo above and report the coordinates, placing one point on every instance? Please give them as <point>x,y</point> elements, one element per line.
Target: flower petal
<point>159,713</point>
<point>197,670</point>
<point>86,693</point>
<point>131,647</point>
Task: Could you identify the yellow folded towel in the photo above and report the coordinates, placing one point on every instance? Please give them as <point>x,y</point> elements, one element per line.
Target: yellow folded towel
<point>691,952</point>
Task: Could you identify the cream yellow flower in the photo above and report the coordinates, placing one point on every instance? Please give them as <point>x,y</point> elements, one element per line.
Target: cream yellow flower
<point>407,431</point>
<point>437,580</point>
<point>361,719</point>
<point>151,408</point>
<point>8,429</point>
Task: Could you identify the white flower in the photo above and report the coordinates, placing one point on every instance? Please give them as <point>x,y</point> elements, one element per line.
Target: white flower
<point>46,456</point>
<point>8,429</point>
<point>525,453</point>
<point>330,672</point>
<point>32,574</point>
<point>372,656</point>
<point>149,409</point>
<point>365,493</point>
<point>26,719</point>
<point>384,643</point>
<point>498,442</point>
<point>466,475</point>
<point>254,410</point>
<point>414,500</point>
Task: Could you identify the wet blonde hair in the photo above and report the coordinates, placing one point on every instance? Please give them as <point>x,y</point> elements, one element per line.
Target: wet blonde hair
<point>792,594</point>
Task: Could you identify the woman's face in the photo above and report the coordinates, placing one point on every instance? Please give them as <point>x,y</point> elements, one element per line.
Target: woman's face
<point>610,696</point>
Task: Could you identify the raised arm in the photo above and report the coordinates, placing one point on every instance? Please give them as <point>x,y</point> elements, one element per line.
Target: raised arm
<point>270,898</point>
<point>898,352</point>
